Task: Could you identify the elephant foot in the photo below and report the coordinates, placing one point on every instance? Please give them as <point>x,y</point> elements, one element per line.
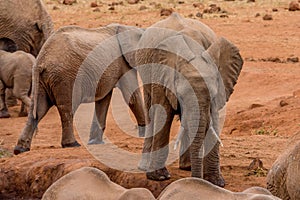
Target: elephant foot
<point>23,114</point>
<point>73,144</point>
<point>4,114</point>
<point>159,175</point>
<point>215,179</point>
<point>95,141</point>
<point>18,150</point>
<point>142,130</point>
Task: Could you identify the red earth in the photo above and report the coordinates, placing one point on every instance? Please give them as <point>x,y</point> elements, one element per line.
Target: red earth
<point>263,114</point>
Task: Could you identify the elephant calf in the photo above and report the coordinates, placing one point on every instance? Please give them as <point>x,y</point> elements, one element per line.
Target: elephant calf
<point>283,179</point>
<point>15,73</point>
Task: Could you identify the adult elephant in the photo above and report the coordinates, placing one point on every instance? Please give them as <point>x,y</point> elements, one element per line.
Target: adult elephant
<point>185,69</point>
<point>75,66</point>
<point>27,24</point>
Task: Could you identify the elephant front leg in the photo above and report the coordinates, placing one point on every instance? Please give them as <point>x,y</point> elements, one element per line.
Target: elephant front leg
<point>212,171</point>
<point>3,108</point>
<point>99,120</point>
<point>162,122</point>
<point>68,138</point>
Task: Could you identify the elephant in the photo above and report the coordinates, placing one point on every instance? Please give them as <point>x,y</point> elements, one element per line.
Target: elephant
<point>284,176</point>
<point>191,188</point>
<point>15,73</point>
<point>75,66</point>
<point>92,183</point>
<point>185,70</point>
<point>28,24</point>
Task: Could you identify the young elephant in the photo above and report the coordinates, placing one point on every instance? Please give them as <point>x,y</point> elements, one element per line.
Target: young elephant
<point>283,179</point>
<point>185,69</point>
<point>75,66</point>
<point>15,73</point>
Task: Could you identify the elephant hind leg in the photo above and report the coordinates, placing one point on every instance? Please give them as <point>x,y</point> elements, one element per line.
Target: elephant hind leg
<point>66,116</point>
<point>3,108</point>
<point>24,141</point>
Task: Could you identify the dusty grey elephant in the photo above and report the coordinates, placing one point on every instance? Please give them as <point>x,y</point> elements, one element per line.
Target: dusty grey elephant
<point>91,183</point>
<point>283,179</point>
<point>27,23</point>
<point>185,70</point>
<point>195,188</point>
<point>15,73</point>
<point>75,66</point>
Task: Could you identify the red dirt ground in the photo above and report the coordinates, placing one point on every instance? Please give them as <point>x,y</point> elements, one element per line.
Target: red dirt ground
<point>262,114</point>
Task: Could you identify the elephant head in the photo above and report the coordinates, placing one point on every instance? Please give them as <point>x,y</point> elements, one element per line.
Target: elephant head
<point>26,23</point>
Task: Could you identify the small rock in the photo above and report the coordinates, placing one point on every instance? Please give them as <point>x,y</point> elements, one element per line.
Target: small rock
<point>250,1</point>
<point>94,4</point>
<point>257,14</point>
<point>198,5</point>
<point>283,103</point>
<point>143,7</point>
<point>180,2</point>
<point>224,16</point>
<point>229,0</point>
<point>255,105</point>
<point>256,164</point>
<point>191,15</point>
<point>267,17</point>
<point>69,2</point>
<point>133,1</point>
<point>213,8</point>
<point>111,8</point>
<point>292,59</point>
<point>199,14</point>
<point>55,8</point>
<point>166,11</point>
<point>96,10</point>
<point>294,6</point>
<point>275,10</point>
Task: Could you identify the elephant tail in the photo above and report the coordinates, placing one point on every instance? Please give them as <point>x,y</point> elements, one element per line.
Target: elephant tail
<point>35,87</point>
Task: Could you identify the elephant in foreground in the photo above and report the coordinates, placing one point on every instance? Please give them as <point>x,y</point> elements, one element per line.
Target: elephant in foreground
<point>75,66</point>
<point>185,70</point>
<point>27,23</point>
<point>195,188</point>
<point>91,183</point>
<point>283,179</point>
<point>15,73</point>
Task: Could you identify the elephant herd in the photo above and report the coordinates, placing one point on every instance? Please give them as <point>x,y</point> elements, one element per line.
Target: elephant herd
<point>184,67</point>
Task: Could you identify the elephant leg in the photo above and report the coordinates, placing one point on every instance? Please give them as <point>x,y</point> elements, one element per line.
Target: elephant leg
<point>99,120</point>
<point>21,91</point>
<point>184,160</point>
<point>24,141</point>
<point>212,171</point>
<point>3,108</point>
<point>66,116</point>
<point>129,87</point>
<point>23,111</point>
<point>160,141</point>
<point>10,99</point>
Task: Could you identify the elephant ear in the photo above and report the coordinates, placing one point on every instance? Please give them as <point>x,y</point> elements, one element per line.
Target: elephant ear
<point>229,61</point>
<point>7,44</point>
<point>128,38</point>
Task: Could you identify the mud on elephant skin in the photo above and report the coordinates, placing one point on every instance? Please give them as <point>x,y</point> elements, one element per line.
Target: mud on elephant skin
<point>75,66</point>
<point>91,183</point>
<point>283,179</point>
<point>15,73</point>
<point>195,80</point>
